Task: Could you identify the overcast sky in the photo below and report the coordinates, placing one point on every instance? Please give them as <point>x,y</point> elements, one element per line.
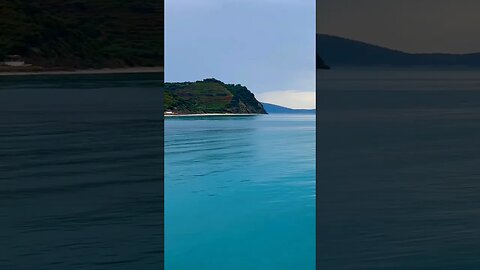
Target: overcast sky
<point>409,25</point>
<point>266,45</point>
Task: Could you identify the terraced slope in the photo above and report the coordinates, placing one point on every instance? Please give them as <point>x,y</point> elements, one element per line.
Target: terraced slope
<point>210,96</point>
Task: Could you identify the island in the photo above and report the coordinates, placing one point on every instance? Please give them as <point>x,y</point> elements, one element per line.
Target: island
<point>209,96</point>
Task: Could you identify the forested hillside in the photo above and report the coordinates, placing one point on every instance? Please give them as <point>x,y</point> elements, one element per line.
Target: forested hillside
<point>210,96</point>
<point>83,33</point>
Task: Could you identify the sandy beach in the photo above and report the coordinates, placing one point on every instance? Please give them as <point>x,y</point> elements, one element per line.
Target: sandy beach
<point>211,114</point>
<point>87,71</point>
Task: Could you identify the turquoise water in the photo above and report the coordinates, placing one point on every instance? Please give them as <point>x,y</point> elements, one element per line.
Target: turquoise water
<point>240,192</point>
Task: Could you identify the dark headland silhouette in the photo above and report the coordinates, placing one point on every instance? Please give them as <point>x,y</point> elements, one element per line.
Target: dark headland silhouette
<point>321,64</point>
<point>338,51</point>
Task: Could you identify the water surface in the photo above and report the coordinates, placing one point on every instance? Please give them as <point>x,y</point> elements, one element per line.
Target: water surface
<point>398,169</point>
<point>81,172</point>
<point>240,192</point>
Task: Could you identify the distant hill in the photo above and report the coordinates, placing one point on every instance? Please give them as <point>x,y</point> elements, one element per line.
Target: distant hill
<point>72,34</point>
<point>272,108</point>
<point>337,51</point>
<point>210,96</point>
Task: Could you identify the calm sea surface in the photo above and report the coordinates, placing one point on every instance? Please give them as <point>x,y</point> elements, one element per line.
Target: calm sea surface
<point>398,177</point>
<point>398,169</point>
<point>81,172</point>
<point>240,193</point>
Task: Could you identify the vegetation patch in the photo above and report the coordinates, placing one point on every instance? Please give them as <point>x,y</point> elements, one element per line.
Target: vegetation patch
<point>73,34</point>
<point>209,96</point>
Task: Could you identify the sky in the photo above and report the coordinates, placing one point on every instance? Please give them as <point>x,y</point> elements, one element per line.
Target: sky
<point>266,45</point>
<point>421,26</point>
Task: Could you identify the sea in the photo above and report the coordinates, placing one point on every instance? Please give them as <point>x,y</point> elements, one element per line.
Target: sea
<point>240,192</point>
<point>398,169</point>
<point>81,167</point>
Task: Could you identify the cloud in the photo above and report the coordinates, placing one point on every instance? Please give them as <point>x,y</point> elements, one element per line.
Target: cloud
<point>197,7</point>
<point>291,98</point>
<point>243,2</point>
<point>256,43</point>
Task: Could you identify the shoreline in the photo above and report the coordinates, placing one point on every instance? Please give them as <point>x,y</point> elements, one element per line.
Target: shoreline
<point>130,70</point>
<point>212,114</point>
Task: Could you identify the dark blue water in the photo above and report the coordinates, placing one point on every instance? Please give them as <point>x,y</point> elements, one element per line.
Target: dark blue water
<point>81,172</point>
<point>398,169</point>
<point>240,193</point>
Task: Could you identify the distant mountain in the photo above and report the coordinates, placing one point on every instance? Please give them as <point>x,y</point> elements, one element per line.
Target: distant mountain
<point>337,51</point>
<point>72,34</point>
<point>210,96</point>
<point>272,108</point>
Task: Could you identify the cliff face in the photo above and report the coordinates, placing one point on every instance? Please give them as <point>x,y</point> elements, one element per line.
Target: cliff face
<point>210,96</point>
<point>83,33</point>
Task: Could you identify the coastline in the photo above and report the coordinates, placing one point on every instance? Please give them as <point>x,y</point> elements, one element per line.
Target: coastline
<point>211,114</point>
<point>130,70</point>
